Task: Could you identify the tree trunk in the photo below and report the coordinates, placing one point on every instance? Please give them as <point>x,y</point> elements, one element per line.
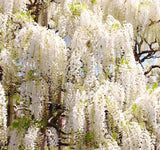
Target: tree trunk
<point>43,130</point>
<point>43,14</point>
<point>59,120</point>
<point>9,112</point>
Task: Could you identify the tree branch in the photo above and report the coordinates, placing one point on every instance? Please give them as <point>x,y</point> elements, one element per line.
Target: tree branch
<point>147,51</point>
<point>58,2</point>
<point>150,68</point>
<point>150,53</point>
<point>153,22</point>
<point>64,144</point>
<point>1,73</point>
<point>20,108</point>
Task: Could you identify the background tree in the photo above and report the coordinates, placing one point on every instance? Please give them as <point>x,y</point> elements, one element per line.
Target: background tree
<point>79,74</point>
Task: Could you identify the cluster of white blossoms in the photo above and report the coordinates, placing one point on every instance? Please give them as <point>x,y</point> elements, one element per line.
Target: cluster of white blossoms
<point>37,57</point>
<point>142,14</point>
<point>97,46</point>
<point>42,54</point>
<point>42,57</point>
<point>15,142</point>
<point>12,6</point>
<point>3,21</point>
<point>30,138</point>
<point>42,49</point>
<point>52,137</point>
<point>3,115</point>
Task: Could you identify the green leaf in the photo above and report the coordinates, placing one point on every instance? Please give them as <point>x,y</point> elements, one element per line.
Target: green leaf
<point>128,67</point>
<point>26,122</point>
<point>127,62</point>
<point>15,125</point>
<point>115,135</point>
<point>122,61</point>
<point>76,8</point>
<point>84,6</point>
<point>148,87</point>
<point>115,26</point>
<point>33,16</point>
<point>93,1</point>
<point>122,123</point>
<point>127,123</point>
<point>134,107</point>
<point>155,85</point>
<point>31,74</point>
<point>18,16</point>
<point>22,13</point>
<point>42,123</point>
<point>83,101</point>
<point>89,137</point>
<point>28,13</point>
<point>142,125</point>
<point>21,122</point>
<point>96,146</point>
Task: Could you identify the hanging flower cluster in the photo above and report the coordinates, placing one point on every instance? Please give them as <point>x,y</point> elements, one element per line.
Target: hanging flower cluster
<point>3,116</point>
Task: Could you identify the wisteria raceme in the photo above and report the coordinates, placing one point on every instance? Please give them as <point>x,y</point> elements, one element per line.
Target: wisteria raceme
<point>12,6</point>
<point>43,44</point>
<point>7,6</point>
<point>3,115</point>
<point>30,138</point>
<point>38,94</point>
<point>3,21</point>
<point>15,143</point>
<point>52,137</point>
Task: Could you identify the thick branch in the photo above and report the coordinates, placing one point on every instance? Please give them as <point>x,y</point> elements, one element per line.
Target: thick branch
<point>64,144</point>
<point>1,73</point>
<point>150,53</point>
<point>150,68</point>
<point>56,1</point>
